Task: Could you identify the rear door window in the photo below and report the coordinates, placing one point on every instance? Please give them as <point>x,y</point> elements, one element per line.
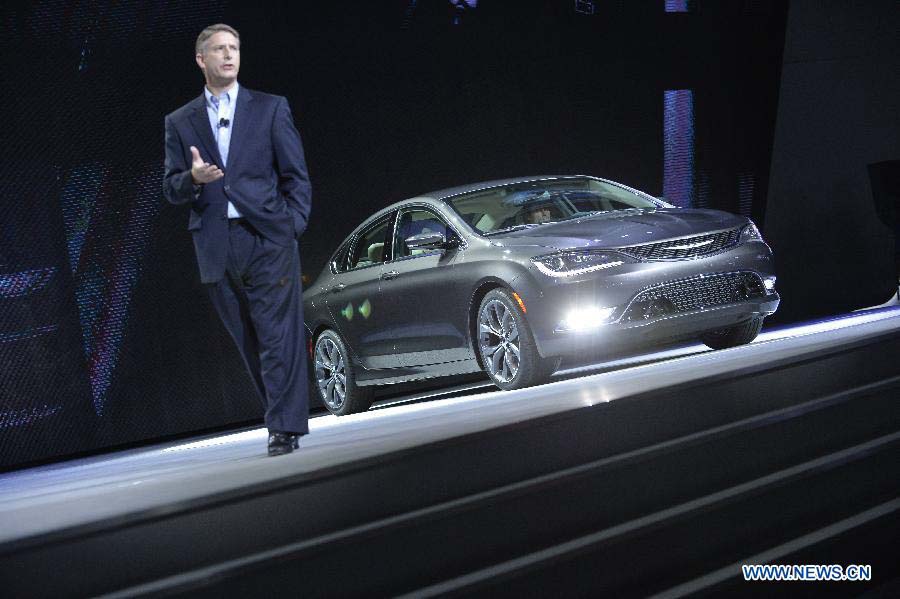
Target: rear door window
<point>371,245</point>
<point>339,260</point>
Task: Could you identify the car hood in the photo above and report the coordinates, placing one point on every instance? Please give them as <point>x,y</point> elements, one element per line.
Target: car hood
<point>622,228</point>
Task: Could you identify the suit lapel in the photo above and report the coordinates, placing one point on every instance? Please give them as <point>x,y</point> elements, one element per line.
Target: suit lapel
<point>241,124</point>
<point>200,121</point>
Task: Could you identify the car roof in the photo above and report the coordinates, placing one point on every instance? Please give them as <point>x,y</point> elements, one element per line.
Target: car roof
<point>437,197</point>
<point>443,194</point>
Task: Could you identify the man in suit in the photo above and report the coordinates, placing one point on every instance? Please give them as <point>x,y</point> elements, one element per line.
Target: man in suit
<point>236,158</point>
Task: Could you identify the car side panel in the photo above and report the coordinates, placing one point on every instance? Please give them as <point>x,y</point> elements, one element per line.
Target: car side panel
<point>425,309</point>
<point>354,302</point>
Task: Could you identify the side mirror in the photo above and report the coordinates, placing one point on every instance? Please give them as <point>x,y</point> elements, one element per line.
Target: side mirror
<point>426,241</point>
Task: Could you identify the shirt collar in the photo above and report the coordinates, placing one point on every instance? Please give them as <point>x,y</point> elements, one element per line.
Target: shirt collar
<point>231,92</point>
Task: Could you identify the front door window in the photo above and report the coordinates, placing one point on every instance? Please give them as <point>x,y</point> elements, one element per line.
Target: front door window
<point>417,222</point>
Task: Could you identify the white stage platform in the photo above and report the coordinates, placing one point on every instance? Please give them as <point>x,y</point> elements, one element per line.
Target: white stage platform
<point>58,497</point>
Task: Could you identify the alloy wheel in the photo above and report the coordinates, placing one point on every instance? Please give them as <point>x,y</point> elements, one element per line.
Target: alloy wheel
<point>331,373</point>
<point>498,339</point>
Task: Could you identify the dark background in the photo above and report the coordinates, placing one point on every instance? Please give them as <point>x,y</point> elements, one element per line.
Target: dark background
<point>106,335</point>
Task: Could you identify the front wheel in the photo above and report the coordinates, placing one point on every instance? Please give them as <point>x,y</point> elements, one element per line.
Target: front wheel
<point>740,334</point>
<point>335,380</point>
<point>506,344</point>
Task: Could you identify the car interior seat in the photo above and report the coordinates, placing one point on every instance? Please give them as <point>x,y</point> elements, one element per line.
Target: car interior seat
<point>376,253</point>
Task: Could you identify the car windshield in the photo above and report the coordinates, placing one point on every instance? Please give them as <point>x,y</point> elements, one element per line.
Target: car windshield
<point>525,205</point>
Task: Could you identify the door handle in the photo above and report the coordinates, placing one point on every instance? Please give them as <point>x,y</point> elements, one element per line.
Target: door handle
<point>391,274</point>
<point>338,287</point>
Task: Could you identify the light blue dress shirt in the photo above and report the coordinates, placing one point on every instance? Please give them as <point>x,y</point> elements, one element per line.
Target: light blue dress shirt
<point>217,108</point>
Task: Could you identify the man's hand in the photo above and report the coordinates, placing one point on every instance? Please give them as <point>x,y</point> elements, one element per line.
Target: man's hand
<point>203,172</point>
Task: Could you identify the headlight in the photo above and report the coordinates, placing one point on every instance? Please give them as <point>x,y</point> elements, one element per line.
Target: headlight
<point>750,233</point>
<point>567,264</point>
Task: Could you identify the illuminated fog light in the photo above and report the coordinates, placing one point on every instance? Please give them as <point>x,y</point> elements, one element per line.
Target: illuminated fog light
<point>582,319</point>
<point>769,282</point>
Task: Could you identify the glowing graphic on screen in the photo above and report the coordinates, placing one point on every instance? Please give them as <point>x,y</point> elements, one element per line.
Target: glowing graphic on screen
<point>19,284</point>
<point>105,250</point>
<point>746,183</point>
<point>679,5</point>
<point>678,147</point>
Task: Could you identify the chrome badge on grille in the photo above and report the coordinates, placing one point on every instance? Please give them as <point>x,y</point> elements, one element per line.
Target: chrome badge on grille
<point>690,246</point>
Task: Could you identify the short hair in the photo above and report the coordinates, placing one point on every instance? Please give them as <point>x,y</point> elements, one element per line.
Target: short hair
<point>207,33</point>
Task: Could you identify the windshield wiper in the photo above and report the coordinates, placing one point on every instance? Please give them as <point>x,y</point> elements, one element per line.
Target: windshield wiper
<point>518,227</point>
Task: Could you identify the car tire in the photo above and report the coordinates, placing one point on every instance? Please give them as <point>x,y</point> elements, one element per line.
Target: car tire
<point>506,344</point>
<point>335,379</point>
<point>740,334</point>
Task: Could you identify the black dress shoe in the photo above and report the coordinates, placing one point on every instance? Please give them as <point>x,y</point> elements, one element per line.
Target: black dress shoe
<point>282,443</point>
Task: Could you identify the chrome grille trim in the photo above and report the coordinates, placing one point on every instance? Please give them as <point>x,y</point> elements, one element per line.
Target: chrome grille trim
<point>685,248</point>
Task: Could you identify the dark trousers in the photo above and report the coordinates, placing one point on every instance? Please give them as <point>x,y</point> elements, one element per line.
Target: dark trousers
<point>260,302</point>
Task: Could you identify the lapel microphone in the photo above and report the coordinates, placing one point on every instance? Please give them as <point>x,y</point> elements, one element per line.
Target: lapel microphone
<point>224,122</point>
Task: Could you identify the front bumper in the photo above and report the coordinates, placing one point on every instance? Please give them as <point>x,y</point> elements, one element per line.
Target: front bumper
<point>548,300</point>
<point>685,325</point>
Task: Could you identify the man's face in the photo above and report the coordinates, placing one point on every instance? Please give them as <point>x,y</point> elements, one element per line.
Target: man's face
<point>221,59</point>
<point>539,215</point>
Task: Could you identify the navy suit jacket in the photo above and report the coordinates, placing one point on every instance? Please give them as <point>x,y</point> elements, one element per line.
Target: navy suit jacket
<point>266,177</point>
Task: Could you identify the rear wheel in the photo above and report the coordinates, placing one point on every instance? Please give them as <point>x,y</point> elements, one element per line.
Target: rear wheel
<point>506,344</point>
<point>335,379</point>
<point>740,334</point>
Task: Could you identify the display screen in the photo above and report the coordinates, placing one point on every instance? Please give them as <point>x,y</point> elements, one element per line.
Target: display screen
<point>107,337</point>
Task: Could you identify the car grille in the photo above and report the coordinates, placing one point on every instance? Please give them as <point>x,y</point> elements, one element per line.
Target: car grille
<point>687,247</point>
<point>694,293</point>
